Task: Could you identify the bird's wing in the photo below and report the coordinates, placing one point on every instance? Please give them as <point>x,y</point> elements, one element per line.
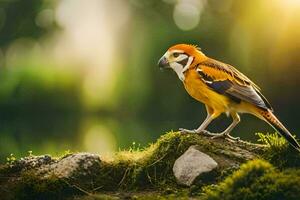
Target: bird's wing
<point>226,80</point>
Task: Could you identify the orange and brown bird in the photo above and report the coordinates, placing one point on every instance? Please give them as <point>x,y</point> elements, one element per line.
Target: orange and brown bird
<point>222,88</point>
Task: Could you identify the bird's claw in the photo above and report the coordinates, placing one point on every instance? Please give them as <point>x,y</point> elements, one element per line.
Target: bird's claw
<point>182,130</point>
<point>226,136</point>
<point>223,135</point>
<point>204,132</point>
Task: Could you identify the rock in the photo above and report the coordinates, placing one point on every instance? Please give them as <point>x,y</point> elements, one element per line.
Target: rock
<point>191,164</point>
<point>32,162</point>
<point>73,165</point>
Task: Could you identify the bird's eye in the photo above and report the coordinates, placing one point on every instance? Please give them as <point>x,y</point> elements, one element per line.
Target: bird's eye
<point>176,54</point>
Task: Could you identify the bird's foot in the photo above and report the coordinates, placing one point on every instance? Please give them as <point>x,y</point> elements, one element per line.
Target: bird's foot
<point>225,136</point>
<point>204,132</point>
<point>182,130</point>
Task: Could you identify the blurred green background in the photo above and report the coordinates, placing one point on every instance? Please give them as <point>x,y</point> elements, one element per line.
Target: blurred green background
<point>82,75</point>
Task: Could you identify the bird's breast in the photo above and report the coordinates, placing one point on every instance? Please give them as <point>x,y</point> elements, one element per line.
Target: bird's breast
<point>201,92</point>
<point>195,87</point>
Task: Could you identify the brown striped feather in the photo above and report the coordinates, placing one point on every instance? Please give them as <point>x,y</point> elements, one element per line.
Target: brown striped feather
<point>222,71</point>
<point>237,84</point>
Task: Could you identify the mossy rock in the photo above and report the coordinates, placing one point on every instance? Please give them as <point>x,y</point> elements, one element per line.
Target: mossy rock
<point>148,170</point>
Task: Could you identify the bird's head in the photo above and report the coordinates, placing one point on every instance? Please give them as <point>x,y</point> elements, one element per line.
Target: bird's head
<point>180,57</point>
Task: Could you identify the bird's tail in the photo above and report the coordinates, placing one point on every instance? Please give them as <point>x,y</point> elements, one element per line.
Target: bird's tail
<point>271,119</point>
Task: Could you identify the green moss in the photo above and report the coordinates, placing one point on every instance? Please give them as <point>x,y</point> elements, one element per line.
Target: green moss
<point>134,170</point>
<point>153,166</point>
<point>31,187</point>
<point>279,152</point>
<point>257,179</point>
<point>147,173</point>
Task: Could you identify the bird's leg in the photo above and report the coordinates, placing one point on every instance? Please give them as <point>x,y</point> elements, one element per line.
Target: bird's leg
<point>204,124</point>
<point>226,133</point>
<point>211,115</point>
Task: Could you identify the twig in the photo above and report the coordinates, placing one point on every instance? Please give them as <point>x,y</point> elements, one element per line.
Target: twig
<point>157,160</point>
<point>123,178</point>
<point>97,188</point>
<point>77,187</point>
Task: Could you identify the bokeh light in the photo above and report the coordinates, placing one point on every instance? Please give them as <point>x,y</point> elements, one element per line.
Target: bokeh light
<point>187,13</point>
<point>99,139</point>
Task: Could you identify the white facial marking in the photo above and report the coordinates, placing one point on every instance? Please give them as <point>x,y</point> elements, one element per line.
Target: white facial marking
<point>181,57</point>
<point>178,68</point>
<point>191,58</point>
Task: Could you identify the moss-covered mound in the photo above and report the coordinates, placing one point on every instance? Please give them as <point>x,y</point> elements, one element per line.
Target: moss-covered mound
<point>153,166</point>
<point>147,173</point>
<point>150,168</point>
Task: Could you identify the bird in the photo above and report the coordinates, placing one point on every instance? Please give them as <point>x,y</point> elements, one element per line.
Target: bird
<point>222,89</point>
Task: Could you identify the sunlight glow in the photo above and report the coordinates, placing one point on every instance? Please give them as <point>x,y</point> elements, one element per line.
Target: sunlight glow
<point>90,38</point>
<point>290,3</point>
<point>99,139</point>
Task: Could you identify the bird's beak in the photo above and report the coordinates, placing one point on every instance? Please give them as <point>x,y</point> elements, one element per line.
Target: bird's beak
<point>163,63</point>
